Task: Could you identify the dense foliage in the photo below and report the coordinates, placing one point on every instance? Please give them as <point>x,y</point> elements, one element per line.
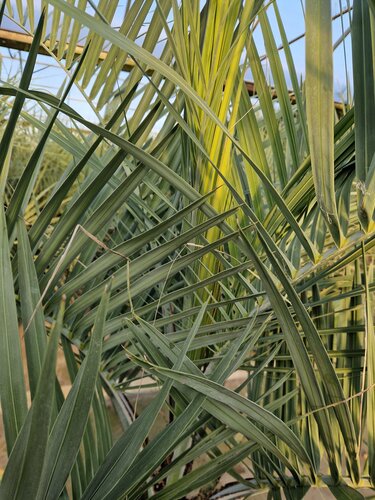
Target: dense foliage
<point>200,228</point>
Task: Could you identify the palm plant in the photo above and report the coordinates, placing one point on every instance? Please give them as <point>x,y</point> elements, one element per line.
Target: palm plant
<point>207,231</point>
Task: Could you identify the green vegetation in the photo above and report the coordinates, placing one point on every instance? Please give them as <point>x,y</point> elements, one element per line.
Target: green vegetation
<point>193,232</point>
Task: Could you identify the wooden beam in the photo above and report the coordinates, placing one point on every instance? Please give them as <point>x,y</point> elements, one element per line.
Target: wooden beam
<point>21,41</point>
<point>339,106</point>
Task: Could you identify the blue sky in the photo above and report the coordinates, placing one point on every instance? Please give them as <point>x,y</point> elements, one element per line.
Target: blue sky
<point>50,77</point>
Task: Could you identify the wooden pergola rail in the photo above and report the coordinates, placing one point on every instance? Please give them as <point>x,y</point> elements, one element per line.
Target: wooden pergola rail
<point>22,41</point>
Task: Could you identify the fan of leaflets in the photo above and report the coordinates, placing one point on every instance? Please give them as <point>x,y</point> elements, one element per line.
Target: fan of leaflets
<point>195,231</point>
